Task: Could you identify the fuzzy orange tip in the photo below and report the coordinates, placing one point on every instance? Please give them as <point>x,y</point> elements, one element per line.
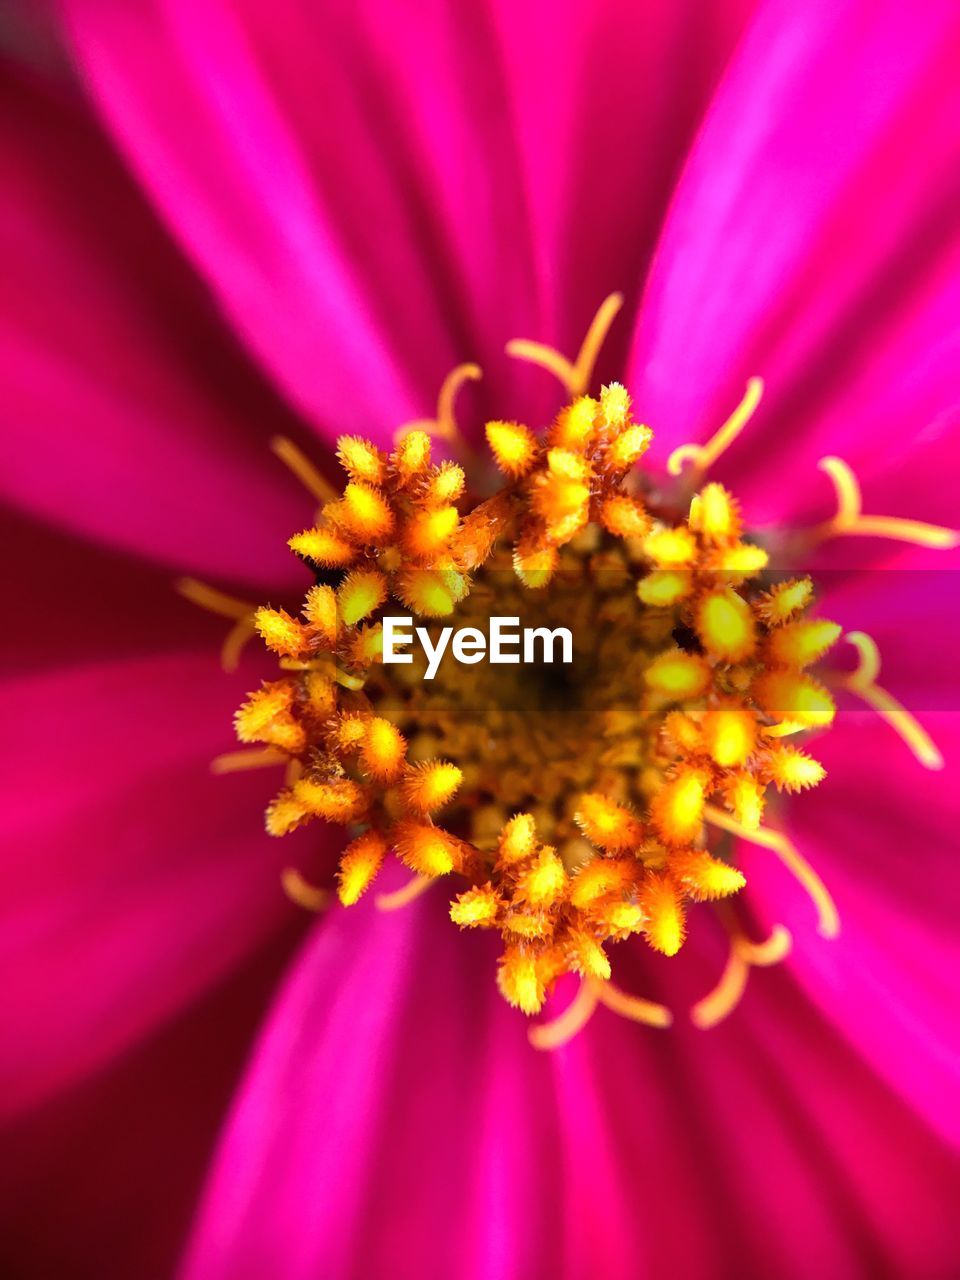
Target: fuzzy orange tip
<point>665,587</point>
<point>715,513</point>
<point>725,625</point>
<point>624,517</point>
<point>664,926</point>
<point>428,532</point>
<point>704,877</point>
<point>575,425</point>
<point>798,644</point>
<point>428,850</point>
<point>739,561</point>
<point>514,447</point>
<point>671,548</point>
<point>281,633</point>
<point>729,735</point>
<point>383,749</point>
<point>608,825</point>
<point>324,548</point>
<point>430,785</point>
<point>619,919</point>
<point>795,698</point>
<point>535,565</point>
<point>543,883</point>
<point>586,956</point>
<point>678,675</point>
<point>321,609</point>
<point>677,808</point>
<point>284,814</point>
<point>362,460</point>
<point>517,839</point>
<point>614,407</point>
<point>363,513</point>
<point>359,864</point>
<point>476,908</point>
<point>432,593</point>
<point>366,646</point>
<point>600,877</point>
<point>445,485</point>
<point>360,593</point>
<point>321,695</point>
<point>519,980</point>
<point>335,799</point>
<point>260,708</point>
<point>628,448</point>
<point>412,456</point>
<point>744,795</point>
<point>683,732</point>
<point>793,770</point>
<point>562,504</point>
<point>785,600</point>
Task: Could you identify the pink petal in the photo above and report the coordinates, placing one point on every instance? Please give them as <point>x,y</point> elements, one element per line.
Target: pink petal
<point>133,1138</point>
<point>134,878</point>
<point>130,416</point>
<point>811,241</point>
<point>375,202</point>
<point>881,832</point>
<point>391,1089</point>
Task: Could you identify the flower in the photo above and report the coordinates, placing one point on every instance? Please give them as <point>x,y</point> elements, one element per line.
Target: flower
<point>369,210</point>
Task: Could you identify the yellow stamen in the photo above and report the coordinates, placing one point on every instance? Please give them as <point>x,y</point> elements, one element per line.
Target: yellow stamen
<point>828,919</point>
<point>635,1008</point>
<point>300,891</point>
<point>849,519</point>
<point>234,643</point>
<point>214,601</point>
<point>862,683</point>
<point>240,761</point>
<point>561,1030</point>
<point>727,994</point>
<point>297,461</point>
<point>444,425</point>
<point>575,375</point>
<point>402,897</point>
<point>704,456</point>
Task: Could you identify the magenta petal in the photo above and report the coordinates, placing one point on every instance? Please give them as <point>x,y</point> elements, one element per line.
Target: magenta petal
<point>812,224</point>
<point>881,832</point>
<point>193,103</point>
<point>134,878</point>
<point>130,416</point>
<point>396,1122</point>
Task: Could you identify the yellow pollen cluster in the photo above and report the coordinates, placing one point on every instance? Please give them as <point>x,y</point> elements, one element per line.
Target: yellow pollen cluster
<point>594,826</point>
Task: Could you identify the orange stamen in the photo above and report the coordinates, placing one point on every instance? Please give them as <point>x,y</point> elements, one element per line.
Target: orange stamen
<point>704,456</point>
<point>849,519</point>
<point>302,892</point>
<point>863,684</point>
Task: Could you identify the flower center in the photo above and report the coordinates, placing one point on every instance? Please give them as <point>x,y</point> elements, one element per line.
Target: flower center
<point>571,805</point>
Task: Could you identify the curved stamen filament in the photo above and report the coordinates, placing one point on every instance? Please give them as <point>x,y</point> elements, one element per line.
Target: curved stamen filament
<point>302,892</point>
<point>252,758</point>
<point>635,1008</point>
<point>224,606</point>
<point>850,520</point>
<point>402,897</point>
<point>863,684</point>
<point>213,601</point>
<point>727,994</point>
<point>575,375</point>
<point>828,918</point>
<point>444,426</point>
<point>293,457</point>
<point>560,1030</point>
<point>704,456</point>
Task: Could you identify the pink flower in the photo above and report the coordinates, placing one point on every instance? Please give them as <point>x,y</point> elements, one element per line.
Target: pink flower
<point>330,210</point>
